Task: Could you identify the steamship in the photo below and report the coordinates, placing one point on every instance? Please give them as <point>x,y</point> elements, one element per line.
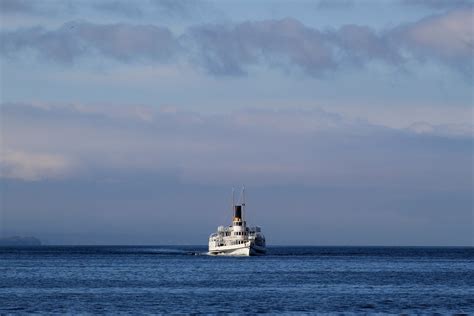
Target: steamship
<point>237,239</point>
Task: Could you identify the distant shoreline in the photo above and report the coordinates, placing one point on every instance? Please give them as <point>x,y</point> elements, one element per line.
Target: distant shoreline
<point>20,241</point>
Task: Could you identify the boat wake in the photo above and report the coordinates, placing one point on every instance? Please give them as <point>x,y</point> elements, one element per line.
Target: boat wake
<point>164,251</point>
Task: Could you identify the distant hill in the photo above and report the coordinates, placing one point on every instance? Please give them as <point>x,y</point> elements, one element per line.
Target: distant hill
<point>20,241</point>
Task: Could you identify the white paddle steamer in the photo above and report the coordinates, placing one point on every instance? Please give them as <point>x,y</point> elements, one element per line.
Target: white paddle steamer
<point>237,239</point>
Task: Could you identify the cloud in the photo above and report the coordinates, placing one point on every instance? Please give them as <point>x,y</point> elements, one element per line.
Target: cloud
<point>31,166</point>
<point>122,42</point>
<point>448,37</point>
<point>228,49</point>
<point>253,146</point>
<point>361,44</point>
<point>233,49</point>
<point>101,164</point>
<point>442,129</point>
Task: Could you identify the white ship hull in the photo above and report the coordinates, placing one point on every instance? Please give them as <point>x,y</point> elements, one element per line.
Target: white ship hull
<point>247,249</point>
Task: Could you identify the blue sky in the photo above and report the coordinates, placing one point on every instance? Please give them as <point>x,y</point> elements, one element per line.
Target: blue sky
<point>128,122</point>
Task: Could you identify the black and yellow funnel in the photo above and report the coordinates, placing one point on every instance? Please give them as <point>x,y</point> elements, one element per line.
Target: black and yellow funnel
<point>237,212</point>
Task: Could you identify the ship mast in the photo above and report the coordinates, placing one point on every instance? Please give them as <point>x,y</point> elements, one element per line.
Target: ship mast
<point>233,203</point>
<point>243,203</point>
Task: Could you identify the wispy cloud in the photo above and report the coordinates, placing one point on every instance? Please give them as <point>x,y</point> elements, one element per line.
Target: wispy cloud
<point>33,166</point>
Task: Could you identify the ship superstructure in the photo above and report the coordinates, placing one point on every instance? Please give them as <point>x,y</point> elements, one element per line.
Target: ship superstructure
<point>237,239</point>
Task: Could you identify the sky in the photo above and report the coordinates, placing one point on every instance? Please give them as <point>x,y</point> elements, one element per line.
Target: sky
<point>129,122</point>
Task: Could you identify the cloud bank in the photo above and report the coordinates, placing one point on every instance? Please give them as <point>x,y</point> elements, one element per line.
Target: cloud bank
<point>252,146</point>
<point>233,49</point>
<point>103,171</point>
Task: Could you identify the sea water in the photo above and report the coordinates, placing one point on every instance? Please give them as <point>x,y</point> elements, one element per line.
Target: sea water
<point>171,279</point>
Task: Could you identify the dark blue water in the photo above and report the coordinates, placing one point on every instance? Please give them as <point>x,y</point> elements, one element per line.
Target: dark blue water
<point>290,279</point>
